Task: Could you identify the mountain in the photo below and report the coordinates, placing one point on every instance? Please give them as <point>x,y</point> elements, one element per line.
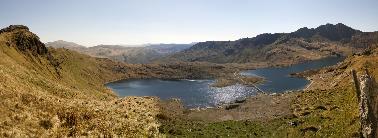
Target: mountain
<point>145,54</point>
<point>278,48</point>
<point>64,44</point>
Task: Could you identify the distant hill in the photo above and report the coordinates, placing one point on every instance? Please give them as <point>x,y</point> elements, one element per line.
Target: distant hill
<point>143,54</point>
<point>278,48</point>
<point>64,44</point>
<point>169,48</point>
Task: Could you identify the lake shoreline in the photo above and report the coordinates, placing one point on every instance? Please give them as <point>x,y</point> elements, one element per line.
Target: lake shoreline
<point>237,80</point>
<point>278,80</point>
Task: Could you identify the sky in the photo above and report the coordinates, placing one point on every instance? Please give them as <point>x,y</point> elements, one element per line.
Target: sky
<point>94,22</point>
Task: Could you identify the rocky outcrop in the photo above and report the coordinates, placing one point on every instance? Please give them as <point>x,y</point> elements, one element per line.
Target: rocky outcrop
<point>13,28</point>
<point>24,40</point>
<point>28,43</point>
<point>366,95</point>
<point>336,32</point>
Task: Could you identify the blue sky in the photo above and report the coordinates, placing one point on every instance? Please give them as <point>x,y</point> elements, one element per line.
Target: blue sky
<point>93,22</point>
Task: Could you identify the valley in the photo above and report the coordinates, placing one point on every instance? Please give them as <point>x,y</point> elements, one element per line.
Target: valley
<point>188,69</point>
<point>59,91</point>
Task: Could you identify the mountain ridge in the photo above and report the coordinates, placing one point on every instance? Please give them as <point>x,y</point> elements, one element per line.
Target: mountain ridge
<point>287,48</point>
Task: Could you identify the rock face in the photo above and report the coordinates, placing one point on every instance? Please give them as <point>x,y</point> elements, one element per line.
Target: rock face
<point>25,40</point>
<point>28,43</point>
<point>13,28</point>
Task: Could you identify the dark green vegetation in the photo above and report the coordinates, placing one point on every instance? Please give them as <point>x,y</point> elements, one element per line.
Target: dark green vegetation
<point>227,129</point>
<point>334,116</point>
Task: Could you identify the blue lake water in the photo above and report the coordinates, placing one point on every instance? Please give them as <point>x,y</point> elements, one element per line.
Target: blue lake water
<point>193,93</point>
<point>279,79</point>
<point>199,93</point>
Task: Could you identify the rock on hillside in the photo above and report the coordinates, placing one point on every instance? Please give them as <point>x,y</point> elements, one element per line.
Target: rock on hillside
<point>24,40</point>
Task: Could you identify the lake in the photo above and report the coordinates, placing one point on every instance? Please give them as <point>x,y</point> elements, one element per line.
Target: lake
<point>193,93</point>
<point>279,79</point>
<point>198,93</point>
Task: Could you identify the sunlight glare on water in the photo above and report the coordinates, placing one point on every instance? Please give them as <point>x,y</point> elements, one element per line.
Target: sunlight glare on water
<point>229,94</point>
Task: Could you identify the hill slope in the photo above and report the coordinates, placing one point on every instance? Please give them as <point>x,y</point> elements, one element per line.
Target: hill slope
<point>56,92</point>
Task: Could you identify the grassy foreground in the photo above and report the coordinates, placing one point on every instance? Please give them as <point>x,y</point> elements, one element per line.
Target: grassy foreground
<point>327,108</point>
<point>59,93</point>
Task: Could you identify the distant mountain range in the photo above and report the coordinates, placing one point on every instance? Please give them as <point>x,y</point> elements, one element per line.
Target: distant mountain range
<point>141,54</point>
<point>278,48</point>
<point>263,50</point>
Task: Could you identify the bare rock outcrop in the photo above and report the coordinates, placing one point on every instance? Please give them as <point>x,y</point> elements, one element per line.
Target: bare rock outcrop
<point>366,95</point>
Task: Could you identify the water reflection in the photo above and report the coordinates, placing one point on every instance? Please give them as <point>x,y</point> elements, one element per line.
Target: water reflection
<point>193,93</point>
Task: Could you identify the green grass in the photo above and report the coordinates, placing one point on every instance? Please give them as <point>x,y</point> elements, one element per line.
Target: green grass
<point>329,113</point>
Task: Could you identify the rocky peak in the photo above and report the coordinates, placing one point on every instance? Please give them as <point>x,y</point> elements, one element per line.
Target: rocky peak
<point>14,28</point>
<point>27,41</point>
<point>21,38</point>
<point>336,32</point>
<point>304,32</point>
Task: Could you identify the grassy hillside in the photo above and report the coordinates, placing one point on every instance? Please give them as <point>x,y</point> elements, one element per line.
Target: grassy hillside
<point>60,93</point>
